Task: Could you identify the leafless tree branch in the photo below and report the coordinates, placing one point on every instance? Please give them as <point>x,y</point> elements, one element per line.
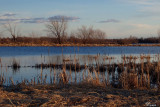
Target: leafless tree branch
<point>57,28</point>
<point>86,34</point>
<point>12,29</point>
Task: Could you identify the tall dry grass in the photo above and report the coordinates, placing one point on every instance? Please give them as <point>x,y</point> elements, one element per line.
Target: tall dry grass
<point>133,72</point>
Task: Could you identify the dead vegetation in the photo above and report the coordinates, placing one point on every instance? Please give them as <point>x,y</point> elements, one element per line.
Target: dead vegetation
<point>131,87</point>
<point>72,40</point>
<point>83,94</point>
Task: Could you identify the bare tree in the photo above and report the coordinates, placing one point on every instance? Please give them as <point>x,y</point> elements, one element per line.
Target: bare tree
<point>89,34</point>
<point>57,28</point>
<point>99,34</point>
<point>12,30</point>
<point>85,33</point>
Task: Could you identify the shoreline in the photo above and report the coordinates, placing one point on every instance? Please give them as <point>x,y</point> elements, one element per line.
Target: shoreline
<point>75,45</point>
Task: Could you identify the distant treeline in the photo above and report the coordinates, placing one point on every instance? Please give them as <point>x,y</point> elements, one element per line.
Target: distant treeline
<point>75,40</point>
<point>58,34</point>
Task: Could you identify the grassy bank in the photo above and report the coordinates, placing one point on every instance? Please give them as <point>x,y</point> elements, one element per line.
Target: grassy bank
<point>83,94</point>
<point>52,44</point>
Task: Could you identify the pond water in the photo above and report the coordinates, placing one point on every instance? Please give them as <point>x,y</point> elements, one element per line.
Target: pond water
<point>27,57</point>
<point>30,51</point>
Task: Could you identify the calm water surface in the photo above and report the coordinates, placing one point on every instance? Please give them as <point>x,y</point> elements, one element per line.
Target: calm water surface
<point>30,51</point>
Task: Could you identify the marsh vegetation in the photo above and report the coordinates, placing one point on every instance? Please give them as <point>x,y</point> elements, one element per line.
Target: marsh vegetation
<point>129,73</point>
<point>63,75</point>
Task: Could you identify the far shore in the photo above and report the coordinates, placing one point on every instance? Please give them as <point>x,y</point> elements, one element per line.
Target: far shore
<point>77,45</point>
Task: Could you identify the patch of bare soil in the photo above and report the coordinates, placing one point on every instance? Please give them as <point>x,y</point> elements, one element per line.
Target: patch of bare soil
<point>76,95</point>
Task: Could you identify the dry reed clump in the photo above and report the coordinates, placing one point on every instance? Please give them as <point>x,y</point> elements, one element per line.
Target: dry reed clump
<point>63,77</point>
<point>93,80</point>
<point>137,75</point>
<point>128,81</point>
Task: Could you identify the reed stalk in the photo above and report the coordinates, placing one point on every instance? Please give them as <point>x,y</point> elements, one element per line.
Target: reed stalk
<point>34,81</point>
<point>54,75</point>
<point>70,74</point>
<point>41,74</point>
<point>50,75</point>
<point>75,62</point>
<point>97,81</point>
<point>142,68</point>
<point>148,76</point>
<point>12,82</point>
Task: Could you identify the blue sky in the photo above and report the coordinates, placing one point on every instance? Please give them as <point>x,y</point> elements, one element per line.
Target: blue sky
<point>118,18</point>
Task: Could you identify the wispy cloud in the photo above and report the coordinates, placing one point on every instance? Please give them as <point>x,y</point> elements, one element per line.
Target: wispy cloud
<point>110,21</point>
<point>146,26</point>
<point>33,20</point>
<point>9,14</point>
<point>140,2</point>
<point>11,17</point>
<point>68,18</point>
<point>146,8</point>
<point>22,20</point>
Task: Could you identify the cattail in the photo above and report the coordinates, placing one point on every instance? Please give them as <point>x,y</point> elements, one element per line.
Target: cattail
<point>41,74</point>
<point>34,81</point>
<point>148,76</point>
<point>70,74</point>
<point>50,75</point>
<point>12,82</point>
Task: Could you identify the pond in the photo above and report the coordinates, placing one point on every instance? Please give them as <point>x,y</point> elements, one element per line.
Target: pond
<point>28,59</point>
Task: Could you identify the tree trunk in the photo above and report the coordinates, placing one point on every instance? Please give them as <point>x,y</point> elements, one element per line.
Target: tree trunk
<point>14,39</point>
<point>59,40</point>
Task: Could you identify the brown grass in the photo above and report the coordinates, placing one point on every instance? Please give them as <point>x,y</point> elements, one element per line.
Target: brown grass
<point>83,94</point>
